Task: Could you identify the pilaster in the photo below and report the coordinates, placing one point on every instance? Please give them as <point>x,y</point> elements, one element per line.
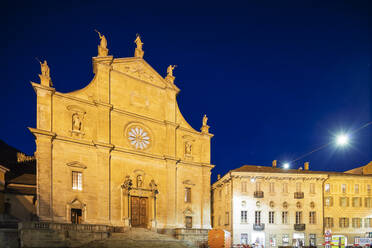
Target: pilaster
<point>206,198</point>
<point>103,186</point>
<point>44,96</point>
<point>171,194</point>
<point>44,174</point>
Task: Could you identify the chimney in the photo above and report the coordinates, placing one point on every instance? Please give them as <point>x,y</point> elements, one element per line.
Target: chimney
<point>218,177</point>
<point>274,163</point>
<point>306,166</point>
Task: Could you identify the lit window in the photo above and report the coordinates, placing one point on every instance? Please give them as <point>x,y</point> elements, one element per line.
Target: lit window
<point>367,202</point>
<point>285,240</point>
<point>327,188</point>
<point>285,187</point>
<point>328,201</point>
<point>244,186</point>
<point>243,216</point>
<point>272,187</point>
<point>298,217</point>
<point>271,217</point>
<point>368,222</point>
<point>344,201</point>
<point>312,217</point>
<point>77,180</point>
<point>312,188</point>
<point>343,188</point>
<point>344,222</point>
<point>187,194</point>
<point>357,202</point>
<point>357,222</point>
<point>244,238</point>
<point>328,222</point>
<point>257,217</point>
<point>356,188</point>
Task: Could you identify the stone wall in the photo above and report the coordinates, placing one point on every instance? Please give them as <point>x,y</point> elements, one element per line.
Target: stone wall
<point>9,238</point>
<point>48,235</point>
<point>197,237</point>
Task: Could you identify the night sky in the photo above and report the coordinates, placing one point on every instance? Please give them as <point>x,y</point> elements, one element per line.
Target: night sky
<point>277,79</point>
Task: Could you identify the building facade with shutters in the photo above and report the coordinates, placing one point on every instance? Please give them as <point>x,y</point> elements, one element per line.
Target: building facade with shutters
<point>273,207</point>
<point>348,205</point>
<point>119,152</point>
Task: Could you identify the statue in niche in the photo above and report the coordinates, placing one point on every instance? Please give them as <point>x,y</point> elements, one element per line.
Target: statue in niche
<point>138,42</point>
<point>139,181</point>
<point>170,70</point>
<point>76,122</point>
<point>205,119</point>
<point>127,183</point>
<point>188,148</point>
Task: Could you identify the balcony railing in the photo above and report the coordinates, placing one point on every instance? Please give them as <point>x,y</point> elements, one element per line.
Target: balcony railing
<point>299,227</point>
<point>258,194</point>
<point>299,195</point>
<point>259,227</point>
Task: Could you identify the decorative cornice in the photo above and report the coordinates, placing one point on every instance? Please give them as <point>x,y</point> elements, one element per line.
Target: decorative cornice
<point>36,132</point>
<point>43,87</point>
<point>76,164</point>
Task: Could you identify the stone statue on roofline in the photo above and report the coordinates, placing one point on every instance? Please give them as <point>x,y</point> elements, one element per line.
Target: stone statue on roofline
<point>170,69</point>
<point>205,127</point>
<point>45,74</point>
<point>102,48</point>
<point>170,78</point>
<point>138,52</point>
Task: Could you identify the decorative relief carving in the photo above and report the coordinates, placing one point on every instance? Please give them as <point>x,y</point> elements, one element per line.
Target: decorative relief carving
<point>139,71</point>
<point>272,204</point>
<point>285,205</point>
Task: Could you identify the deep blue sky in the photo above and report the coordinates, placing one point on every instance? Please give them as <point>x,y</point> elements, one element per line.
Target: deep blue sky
<point>276,79</point>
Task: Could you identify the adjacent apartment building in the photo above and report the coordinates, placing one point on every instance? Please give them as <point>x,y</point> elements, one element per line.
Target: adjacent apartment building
<point>271,206</point>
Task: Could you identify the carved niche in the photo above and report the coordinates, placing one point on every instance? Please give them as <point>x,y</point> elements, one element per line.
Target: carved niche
<point>77,117</point>
<point>188,146</point>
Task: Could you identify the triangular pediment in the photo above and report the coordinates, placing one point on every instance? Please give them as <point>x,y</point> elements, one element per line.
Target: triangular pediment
<point>141,70</point>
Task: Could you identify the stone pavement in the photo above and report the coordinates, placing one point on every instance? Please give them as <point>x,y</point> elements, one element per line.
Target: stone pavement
<point>138,238</point>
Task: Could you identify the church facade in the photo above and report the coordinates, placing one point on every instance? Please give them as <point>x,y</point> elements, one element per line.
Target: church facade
<point>119,152</point>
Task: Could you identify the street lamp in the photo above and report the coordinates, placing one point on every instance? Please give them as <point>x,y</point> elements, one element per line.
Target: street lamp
<point>286,165</point>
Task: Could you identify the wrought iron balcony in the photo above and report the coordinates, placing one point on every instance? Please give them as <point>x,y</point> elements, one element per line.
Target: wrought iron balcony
<point>299,195</point>
<point>258,227</point>
<point>258,194</point>
<point>299,227</point>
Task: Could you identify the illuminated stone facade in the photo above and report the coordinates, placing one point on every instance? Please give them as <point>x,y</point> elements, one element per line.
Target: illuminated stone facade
<point>119,152</point>
<point>277,207</point>
<point>348,204</point>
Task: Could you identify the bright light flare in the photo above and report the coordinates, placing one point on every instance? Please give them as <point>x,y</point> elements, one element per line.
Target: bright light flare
<point>342,140</point>
<point>286,165</point>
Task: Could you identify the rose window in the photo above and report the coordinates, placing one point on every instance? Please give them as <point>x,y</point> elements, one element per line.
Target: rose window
<point>138,138</point>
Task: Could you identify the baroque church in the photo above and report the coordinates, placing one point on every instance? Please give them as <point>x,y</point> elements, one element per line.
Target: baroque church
<point>119,152</point>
